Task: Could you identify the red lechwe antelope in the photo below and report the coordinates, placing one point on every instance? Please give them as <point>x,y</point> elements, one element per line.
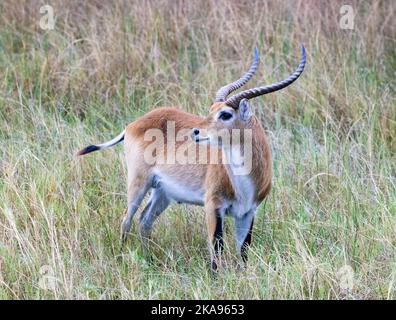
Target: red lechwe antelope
<point>215,185</point>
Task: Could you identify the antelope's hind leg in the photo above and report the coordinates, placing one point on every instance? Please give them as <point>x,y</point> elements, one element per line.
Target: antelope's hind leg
<point>137,189</point>
<point>157,204</point>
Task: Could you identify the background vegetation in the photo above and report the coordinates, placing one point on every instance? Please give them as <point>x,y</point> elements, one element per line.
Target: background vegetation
<point>328,229</point>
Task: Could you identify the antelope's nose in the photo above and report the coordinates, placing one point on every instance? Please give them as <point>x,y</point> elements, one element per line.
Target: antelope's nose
<point>195,131</point>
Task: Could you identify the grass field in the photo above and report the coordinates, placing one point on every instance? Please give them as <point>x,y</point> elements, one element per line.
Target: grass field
<point>328,228</point>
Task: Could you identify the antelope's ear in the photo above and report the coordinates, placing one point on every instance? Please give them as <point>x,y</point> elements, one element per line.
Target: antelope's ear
<point>244,110</point>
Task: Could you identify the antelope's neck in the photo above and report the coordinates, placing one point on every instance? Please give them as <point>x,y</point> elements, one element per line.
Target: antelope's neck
<point>249,164</point>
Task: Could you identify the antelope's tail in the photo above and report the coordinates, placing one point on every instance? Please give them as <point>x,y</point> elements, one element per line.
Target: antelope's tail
<point>102,146</point>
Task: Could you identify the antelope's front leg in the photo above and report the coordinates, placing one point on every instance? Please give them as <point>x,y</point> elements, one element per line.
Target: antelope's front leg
<point>243,230</point>
<point>215,223</point>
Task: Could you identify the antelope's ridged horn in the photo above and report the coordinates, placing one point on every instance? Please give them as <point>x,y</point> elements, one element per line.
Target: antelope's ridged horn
<point>259,91</point>
<point>223,92</point>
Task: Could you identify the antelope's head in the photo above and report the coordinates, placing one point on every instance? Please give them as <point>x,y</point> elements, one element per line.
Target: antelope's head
<point>228,114</point>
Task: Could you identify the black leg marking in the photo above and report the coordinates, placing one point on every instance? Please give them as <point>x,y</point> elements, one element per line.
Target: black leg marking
<point>246,243</point>
<point>218,242</point>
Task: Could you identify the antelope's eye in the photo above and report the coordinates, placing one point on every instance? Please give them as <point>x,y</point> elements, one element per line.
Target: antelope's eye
<point>225,116</point>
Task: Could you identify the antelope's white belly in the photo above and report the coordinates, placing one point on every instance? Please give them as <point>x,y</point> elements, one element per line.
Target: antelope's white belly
<point>178,192</point>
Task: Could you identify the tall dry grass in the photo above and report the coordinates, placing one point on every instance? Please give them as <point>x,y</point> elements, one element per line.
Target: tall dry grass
<point>328,227</point>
